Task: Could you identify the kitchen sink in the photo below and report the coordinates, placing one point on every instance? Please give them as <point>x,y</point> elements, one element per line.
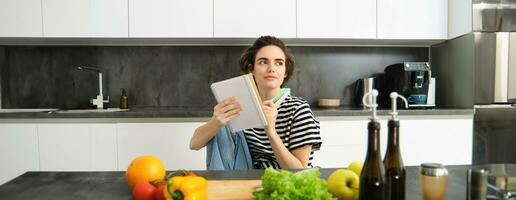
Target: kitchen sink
<point>109,110</point>
<point>25,110</point>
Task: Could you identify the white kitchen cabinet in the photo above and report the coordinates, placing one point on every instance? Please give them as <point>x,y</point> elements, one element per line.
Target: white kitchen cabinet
<point>459,17</point>
<point>170,18</point>
<point>85,18</point>
<point>20,18</point>
<point>412,19</point>
<point>77,147</point>
<point>448,141</point>
<point>343,142</point>
<point>18,150</point>
<point>251,19</point>
<point>336,19</point>
<point>168,141</point>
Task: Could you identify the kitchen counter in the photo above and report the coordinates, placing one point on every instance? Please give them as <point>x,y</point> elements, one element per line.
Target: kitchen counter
<point>112,185</point>
<point>166,112</point>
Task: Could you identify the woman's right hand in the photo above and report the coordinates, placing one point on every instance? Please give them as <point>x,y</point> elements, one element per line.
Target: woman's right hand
<point>227,110</point>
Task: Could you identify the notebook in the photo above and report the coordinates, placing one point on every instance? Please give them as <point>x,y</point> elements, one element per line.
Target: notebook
<point>244,89</point>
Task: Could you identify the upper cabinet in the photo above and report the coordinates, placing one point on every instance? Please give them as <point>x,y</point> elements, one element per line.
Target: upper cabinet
<point>376,21</point>
<point>459,18</point>
<point>250,19</point>
<point>85,18</point>
<point>336,19</point>
<point>412,19</point>
<point>20,18</point>
<point>170,18</point>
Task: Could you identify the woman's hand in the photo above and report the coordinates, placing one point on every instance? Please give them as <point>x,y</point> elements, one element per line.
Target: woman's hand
<point>227,110</point>
<point>223,112</point>
<point>271,113</point>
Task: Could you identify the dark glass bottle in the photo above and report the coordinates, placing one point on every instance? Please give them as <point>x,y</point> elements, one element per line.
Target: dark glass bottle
<point>394,168</point>
<point>373,183</point>
<point>124,104</point>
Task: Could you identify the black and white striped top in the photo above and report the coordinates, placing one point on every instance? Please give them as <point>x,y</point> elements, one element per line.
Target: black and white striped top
<point>296,126</point>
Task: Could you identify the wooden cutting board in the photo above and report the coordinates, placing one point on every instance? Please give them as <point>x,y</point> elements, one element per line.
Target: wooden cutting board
<point>232,189</point>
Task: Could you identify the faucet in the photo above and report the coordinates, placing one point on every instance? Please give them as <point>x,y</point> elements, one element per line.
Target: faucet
<point>99,101</point>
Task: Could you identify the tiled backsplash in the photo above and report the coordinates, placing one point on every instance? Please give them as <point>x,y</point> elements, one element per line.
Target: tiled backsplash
<point>174,76</point>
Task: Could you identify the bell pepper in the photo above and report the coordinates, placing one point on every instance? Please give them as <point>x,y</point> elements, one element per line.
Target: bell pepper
<point>186,188</point>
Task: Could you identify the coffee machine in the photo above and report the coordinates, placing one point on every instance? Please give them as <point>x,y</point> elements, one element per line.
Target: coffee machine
<point>413,80</point>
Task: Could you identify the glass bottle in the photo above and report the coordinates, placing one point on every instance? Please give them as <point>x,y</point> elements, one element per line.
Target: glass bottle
<point>373,184</point>
<point>394,168</point>
<point>123,100</point>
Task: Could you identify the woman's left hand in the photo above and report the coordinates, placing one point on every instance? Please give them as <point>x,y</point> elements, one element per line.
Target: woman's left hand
<point>271,113</point>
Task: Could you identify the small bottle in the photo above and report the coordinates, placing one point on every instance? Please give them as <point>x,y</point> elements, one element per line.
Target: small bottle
<point>394,168</point>
<point>123,100</point>
<point>373,183</point>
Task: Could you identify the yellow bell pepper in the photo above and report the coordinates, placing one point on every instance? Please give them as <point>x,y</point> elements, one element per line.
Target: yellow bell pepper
<point>186,188</point>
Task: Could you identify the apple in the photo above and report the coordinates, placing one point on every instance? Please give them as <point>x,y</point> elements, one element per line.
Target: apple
<point>343,184</point>
<point>356,167</point>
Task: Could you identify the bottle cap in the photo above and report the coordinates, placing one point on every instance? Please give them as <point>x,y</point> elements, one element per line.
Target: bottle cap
<point>373,105</point>
<point>394,96</point>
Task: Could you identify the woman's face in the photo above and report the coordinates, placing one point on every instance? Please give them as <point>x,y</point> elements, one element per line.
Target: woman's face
<point>269,67</point>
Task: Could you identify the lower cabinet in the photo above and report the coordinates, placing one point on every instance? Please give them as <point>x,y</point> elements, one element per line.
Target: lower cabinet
<point>446,141</point>
<point>112,146</point>
<point>168,141</point>
<point>18,150</point>
<point>77,147</point>
<point>343,142</point>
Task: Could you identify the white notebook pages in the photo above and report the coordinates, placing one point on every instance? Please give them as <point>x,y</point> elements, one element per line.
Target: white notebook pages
<point>243,88</point>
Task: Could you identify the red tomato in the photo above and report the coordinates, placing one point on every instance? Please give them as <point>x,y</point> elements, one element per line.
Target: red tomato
<point>143,190</point>
<point>159,191</point>
<point>191,174</point>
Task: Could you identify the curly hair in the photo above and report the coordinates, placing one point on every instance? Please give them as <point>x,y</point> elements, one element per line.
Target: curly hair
<point>249,55</point>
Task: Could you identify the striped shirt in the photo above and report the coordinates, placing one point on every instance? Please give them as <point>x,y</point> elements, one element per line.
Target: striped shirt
<point>295,125</point>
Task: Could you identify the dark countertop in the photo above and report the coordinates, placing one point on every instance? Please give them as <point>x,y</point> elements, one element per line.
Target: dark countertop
<point>112,185</point>
<point>167,112</point>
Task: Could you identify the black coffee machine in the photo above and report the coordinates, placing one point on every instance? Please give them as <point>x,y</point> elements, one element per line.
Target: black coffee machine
<point>410,79</point>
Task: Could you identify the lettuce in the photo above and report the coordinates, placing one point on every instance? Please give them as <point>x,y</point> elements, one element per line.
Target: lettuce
<point>279,185</point>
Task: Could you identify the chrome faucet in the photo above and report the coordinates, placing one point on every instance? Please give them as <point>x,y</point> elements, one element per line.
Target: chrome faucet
<point>99,101</point>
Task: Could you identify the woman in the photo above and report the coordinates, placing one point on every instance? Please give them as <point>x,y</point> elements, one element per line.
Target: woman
<point>292,135</point>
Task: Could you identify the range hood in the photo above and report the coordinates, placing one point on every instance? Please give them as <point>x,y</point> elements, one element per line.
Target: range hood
<point>494,15</point>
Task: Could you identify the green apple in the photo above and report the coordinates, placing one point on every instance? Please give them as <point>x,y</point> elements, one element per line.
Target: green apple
<point>356,167</point>
<point>343,184</point>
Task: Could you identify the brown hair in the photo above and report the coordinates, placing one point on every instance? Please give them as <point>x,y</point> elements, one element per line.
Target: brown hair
<point>249,55</point>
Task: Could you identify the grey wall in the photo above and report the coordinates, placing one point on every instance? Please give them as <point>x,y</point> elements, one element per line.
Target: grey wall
<point>174,76</point>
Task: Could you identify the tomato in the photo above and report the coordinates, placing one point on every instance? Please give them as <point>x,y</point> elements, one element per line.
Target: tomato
<point>191,174</point>
<point>159,191</point>
<point>143,190</point>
